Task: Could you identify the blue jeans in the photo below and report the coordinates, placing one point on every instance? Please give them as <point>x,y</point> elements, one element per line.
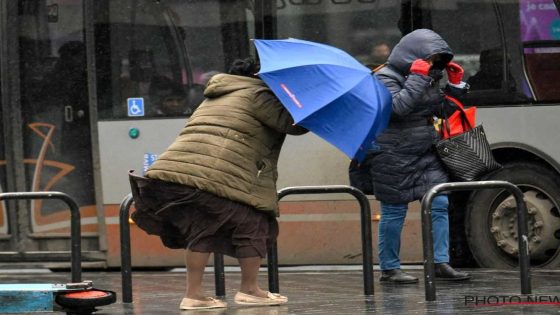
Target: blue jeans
<point>391,224</point>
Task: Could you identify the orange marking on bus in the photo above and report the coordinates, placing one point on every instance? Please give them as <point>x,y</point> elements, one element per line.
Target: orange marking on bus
<point>46,137</point>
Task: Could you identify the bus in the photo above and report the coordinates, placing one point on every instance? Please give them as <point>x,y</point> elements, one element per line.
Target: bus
<point>93,88</point>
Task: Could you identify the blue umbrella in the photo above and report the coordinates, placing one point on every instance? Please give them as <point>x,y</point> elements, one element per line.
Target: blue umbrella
<point>326,91</point>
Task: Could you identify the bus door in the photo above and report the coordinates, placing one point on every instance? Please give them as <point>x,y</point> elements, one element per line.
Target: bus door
<point>55,129</point>
<point>154,59</point>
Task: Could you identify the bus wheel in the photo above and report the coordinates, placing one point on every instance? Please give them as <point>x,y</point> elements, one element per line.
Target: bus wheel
<point>491,218</point>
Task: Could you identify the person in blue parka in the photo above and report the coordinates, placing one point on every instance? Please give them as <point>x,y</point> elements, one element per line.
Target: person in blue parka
<point>404,164</point>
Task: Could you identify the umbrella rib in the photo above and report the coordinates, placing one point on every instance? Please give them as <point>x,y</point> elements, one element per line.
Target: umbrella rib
<point>366,70</point>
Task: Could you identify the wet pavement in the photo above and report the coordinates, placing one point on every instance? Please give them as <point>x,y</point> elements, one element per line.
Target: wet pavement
<point>324,290</point>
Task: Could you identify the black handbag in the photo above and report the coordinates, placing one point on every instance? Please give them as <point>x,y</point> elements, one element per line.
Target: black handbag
<point>467,156</point>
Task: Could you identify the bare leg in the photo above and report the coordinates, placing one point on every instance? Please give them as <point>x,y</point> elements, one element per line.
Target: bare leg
<point>196,262</point>
<point>249,276</point>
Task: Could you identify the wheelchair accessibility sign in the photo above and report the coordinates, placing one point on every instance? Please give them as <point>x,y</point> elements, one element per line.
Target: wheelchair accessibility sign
<point>135,107</point>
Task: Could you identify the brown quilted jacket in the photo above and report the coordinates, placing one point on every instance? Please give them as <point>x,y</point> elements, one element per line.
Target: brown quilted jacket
<point>230,145</point>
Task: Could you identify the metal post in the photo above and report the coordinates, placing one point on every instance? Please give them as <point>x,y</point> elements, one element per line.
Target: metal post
<point>272,262</point>
<point>523,241</point>
<point>219,276</point>
<point>524,264</point>
<point>428,248</point>
<point>75,228</point>
<point>126,261</point>
<point>367,250</point>
<point>365,218</point>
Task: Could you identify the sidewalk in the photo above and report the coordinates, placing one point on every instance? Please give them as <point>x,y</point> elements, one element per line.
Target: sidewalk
<point>328,291</point>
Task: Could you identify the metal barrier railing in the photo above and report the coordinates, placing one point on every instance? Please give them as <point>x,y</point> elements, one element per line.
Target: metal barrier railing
<point>219,276</point>
<point>126,261</point>
<point>75,228</point>
<point>427,239</point>
<point>365,218</point>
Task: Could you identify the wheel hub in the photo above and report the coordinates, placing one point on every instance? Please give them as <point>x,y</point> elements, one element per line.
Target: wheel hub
<point>543,224</point>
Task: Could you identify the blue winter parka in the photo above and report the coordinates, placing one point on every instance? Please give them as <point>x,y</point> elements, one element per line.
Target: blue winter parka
<point>404,164</point>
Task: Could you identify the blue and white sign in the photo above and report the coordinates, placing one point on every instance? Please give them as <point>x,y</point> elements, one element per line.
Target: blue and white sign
<point>149,159</point>
<point>135,106</point>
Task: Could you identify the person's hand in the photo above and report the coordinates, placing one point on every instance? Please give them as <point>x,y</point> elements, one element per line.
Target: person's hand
<point>420,66</point>
<point>454,73</point>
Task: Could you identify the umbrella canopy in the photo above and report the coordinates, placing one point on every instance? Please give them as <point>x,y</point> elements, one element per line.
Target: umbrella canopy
<point>326,91</point>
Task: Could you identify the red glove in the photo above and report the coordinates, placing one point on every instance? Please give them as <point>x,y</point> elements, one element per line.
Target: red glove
<point>420,66</point>
<point>454,73</point>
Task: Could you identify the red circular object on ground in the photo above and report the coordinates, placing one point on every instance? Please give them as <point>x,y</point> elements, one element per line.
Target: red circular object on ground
<point>93,294</point>
<point>86,300</point>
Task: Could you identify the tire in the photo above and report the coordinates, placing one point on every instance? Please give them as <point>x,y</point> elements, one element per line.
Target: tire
<point>491,242</point>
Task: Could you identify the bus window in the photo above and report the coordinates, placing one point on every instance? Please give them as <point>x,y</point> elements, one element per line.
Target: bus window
<point>473,29</point>
<point>365,29</point>
<point>142,61</point>
<point>214,33</point>
<point>540,36</point>
<point>163,52</point>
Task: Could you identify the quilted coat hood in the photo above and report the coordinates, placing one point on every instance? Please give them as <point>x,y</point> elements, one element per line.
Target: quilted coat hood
<point>419,44</point>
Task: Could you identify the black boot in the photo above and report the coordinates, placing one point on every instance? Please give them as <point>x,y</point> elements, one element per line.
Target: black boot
<point>446,272</point>
<point>397,276</point>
